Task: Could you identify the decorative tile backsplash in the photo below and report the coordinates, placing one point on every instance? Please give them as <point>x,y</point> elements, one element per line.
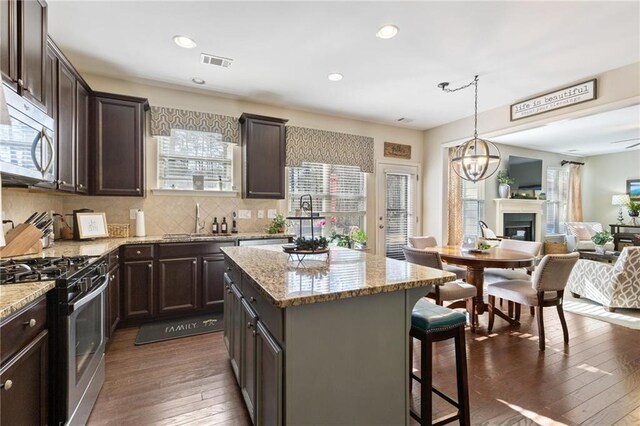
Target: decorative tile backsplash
<point>163,214</point>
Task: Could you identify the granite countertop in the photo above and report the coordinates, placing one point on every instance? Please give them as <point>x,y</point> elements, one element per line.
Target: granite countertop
<point>13,297</point>
<point>347,273</point>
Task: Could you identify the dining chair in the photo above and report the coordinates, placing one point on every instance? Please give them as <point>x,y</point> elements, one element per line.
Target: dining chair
<point>544,288</point>
<point>427,242</point>
<point>487,233</point>
<point>458,290</point>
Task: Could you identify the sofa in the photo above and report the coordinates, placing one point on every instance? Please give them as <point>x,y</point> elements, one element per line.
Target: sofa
<point>613,286</point>
<point>579,236</point>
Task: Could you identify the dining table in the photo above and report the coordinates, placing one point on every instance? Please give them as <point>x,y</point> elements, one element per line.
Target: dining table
<point>477,261</point>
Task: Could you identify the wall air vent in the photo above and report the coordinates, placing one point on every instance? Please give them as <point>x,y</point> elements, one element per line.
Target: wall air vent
<point>218,61</point>
<point>404,120</point>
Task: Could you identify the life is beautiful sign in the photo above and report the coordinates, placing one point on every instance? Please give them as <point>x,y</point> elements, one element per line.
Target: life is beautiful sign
<point>572,95</point>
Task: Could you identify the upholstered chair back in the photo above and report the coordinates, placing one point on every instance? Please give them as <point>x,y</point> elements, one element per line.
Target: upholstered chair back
<point>627,267</point>
<point>553,271</point>
<point>423,242</point>
<point>422,257</point>
<point>529,247</point>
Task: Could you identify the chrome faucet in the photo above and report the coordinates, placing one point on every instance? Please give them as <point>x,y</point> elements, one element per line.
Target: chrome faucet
<point>199,224</point>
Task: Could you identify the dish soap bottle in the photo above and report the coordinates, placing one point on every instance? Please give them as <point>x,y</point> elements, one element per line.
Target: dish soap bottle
<point>223,226</point>
<point>234,225</point>
<point>214,226</point>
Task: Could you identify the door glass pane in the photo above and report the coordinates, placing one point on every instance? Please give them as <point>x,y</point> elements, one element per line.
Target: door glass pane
<point>400,213</point>
<point>89,335</point>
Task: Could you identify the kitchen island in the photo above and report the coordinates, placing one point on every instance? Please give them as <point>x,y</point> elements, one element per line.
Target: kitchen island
<point>324,341</point>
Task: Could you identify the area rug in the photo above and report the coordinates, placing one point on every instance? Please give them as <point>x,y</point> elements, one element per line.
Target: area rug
<point>626,317</point>
<point>183,327</point>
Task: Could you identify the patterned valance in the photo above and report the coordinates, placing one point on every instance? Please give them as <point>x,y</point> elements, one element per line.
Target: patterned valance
<point>322,146</point>
<point>164,119</point>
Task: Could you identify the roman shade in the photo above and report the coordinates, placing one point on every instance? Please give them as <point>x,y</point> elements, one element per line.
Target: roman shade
<point>164,119</point>
<point>323,146</point>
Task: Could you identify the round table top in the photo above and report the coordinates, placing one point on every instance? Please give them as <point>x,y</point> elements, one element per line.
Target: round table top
<point>496,257</point>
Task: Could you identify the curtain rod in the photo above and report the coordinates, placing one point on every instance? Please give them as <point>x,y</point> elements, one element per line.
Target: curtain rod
<point>563,162</point>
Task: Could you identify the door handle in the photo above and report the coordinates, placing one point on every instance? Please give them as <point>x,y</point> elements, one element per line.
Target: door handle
<point>51,148</point>
<point>381,226</point>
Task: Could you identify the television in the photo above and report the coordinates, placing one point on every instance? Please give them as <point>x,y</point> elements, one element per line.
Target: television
<point>527,174</point>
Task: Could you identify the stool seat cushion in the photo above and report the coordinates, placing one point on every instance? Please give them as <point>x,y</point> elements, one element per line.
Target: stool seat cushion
<point>430,317</point>
<point>455,290</point>
<point>492,275</point>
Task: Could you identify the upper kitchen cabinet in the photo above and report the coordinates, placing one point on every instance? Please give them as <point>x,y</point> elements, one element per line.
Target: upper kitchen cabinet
<point>263,151</point>
<point>118,144</point>
<point>82,138</point>
<point>23,45</point>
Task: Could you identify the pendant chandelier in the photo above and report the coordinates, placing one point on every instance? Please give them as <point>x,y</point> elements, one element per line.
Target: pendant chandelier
<point>476,159</point>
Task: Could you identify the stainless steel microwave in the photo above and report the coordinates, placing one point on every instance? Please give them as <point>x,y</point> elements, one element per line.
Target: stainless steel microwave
<point>27,146</point>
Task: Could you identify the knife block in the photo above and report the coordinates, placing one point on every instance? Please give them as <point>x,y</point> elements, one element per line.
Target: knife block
<point>23,239</point>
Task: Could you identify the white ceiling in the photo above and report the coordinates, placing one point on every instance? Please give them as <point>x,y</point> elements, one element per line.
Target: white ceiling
<point>283,51</point>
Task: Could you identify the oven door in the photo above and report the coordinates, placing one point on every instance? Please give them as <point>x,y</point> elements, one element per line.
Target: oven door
<point>86,327</point>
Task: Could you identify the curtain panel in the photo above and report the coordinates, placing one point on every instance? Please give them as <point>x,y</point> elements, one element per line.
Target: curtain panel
<point>322,146</point>
<point>574,203</point>
<point>164,119</point>
<point>454,207</point>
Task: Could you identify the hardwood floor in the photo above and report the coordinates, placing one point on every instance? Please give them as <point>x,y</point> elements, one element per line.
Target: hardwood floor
<point>595,380</point>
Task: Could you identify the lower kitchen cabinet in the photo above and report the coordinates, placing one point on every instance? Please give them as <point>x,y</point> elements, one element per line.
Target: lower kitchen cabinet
<point>113,292</point>
<point>138,286</point>
<point>24,367</point>
<point>213,268</point>
<point>177,285</point>
<point>255,354</point>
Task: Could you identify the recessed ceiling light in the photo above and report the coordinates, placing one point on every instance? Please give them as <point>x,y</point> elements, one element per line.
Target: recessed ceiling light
<point>184,41</point>
<point>197,80</point>
<point>387,31</point>
<point>335,76</point>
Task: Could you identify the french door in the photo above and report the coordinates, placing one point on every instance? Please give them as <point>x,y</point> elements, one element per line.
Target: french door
<point>396,210</point>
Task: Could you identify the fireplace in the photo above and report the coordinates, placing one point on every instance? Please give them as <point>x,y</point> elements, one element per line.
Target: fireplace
<point>520,226</point>
<point>525,216</point>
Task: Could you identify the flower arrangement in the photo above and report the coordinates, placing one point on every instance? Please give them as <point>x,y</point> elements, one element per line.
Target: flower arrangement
<point>601,238</point>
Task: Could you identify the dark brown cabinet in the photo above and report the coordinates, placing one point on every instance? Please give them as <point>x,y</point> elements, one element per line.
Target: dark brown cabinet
<point>24,366</point>
<point>248,358</point>
<point>138,286</point>
<point>269,383</point>
<point>113,292</point>
<point>51,78</point>
<point>264,154</point>
<point>213,267</point>
<point>82,138</point>
<point>66,128</point>
<point>118,145</point>
<point>178,285</point>
<point>23,44</point>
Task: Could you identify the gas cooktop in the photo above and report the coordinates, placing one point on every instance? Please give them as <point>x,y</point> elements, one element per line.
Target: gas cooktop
<point>13,271</point>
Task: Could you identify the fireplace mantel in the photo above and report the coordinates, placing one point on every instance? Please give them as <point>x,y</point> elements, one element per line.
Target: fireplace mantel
<point>515,205</point>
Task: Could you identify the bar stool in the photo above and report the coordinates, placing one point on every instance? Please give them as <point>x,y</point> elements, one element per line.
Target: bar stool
<point>433,323</point>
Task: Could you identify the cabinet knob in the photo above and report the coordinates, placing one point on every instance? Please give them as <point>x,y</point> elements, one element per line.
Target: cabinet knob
<point>204,261</point>
<point>117,256</point>
<point>252,300</point>
<point>138,189</point>
<point>228,290</point>
<point>227,269</point>
<point>20,82</point>
<point>194,262</point>
<point>6,385</point>
<point>150,266</point>
<point>249,325</point>
<point>63,182</point>
<point>80,185</point>
<point>137,251</point>
<point>31,323</point>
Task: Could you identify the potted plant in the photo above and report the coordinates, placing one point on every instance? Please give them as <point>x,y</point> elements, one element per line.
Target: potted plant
<point>504,189</point>
<point>359,238</point>
<point>341,240</point>
<point>600,239</point>
<point>308,244</point>
<point>633,210</point>
<point>277,224</point>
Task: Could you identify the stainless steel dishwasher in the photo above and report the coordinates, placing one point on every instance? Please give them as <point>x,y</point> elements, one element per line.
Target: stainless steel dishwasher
<point>263,241</point>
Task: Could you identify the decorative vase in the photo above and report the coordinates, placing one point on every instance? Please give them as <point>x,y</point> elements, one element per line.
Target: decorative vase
<point>633,213</point>
<point>504,190</point>
<point>599,249</point>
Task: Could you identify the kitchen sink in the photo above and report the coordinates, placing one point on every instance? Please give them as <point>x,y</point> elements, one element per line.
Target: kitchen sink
<point>192,236</point>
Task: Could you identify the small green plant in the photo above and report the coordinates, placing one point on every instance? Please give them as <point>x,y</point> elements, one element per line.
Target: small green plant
<point>277,224</point>
<point>359,236</point>
<point>601,238</point>
<point>633,206</point>
<point>317,243</point>
<point>504,178</point>
<point>341,240</point>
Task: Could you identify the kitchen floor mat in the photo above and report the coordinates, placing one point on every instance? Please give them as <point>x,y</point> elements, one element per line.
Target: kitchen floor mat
<point>177,328</point>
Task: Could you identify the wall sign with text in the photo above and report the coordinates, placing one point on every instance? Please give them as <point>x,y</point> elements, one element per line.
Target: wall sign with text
<point>572,95</point>
<point>397,150</point>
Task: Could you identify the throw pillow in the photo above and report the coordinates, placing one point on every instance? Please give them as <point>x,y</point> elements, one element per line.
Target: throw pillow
<point>582,234</point>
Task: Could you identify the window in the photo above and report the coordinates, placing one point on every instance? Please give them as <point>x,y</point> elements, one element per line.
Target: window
<point>188,153</point>
<point>557,195</point>
<point>472,207</point>
<point>339,193</point>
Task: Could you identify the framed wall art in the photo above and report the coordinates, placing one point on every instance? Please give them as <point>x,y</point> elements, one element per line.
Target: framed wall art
<point>633,189</point>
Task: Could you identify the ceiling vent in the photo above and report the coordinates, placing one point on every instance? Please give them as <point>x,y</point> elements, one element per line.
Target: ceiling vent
<point>218,61</point>
<point>404,120</point>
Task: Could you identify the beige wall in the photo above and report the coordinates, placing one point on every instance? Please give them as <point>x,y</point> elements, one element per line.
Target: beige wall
<point>176,214</point>
<point>604,176</point>
<point>616,89</point>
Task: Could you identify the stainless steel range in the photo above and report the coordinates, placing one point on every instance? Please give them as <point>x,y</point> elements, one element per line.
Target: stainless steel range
<point>76,316</point>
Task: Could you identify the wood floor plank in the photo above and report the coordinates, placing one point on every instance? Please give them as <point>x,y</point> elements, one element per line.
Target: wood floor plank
<point>594,380</point>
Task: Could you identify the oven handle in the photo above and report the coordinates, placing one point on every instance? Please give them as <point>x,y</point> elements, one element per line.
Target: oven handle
<point>34,145</point>
<point>89,297</point>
